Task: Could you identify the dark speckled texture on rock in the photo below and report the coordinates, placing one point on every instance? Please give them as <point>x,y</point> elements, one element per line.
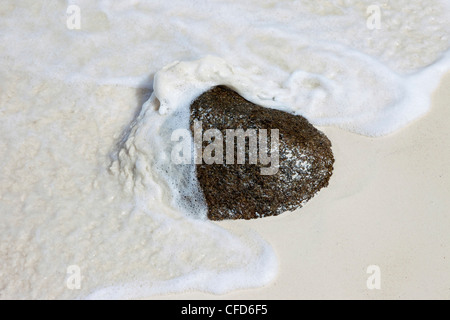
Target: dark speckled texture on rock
<point>240,191</point>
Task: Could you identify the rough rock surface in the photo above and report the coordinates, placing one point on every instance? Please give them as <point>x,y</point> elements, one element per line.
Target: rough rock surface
<point>240,191</point>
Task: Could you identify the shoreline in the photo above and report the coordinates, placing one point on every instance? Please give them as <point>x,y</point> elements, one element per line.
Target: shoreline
<point>386,206</point>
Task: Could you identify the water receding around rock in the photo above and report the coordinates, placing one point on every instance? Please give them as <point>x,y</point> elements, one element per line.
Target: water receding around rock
<point>138,226</point>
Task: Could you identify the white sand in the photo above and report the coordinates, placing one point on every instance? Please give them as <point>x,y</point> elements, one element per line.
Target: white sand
<point>388,205</point>
<point>67,96</point>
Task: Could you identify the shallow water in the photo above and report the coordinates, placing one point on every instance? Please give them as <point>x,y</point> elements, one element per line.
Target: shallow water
<point>82,187</point>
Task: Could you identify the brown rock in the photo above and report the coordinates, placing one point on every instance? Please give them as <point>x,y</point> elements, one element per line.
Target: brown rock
<point>240,191</point>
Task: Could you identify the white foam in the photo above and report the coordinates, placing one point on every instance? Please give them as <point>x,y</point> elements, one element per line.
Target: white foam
<point>375,104</point>
<point>319,60</point>
<point>67,93</point>
<point>260,268</point>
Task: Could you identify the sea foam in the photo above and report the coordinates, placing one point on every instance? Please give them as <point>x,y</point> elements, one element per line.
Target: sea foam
<point>67,96</point>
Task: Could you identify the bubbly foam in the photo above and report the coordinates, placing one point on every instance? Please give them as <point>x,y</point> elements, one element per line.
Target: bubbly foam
<point>67,95</point>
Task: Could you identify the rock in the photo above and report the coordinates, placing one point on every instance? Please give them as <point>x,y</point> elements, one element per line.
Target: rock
<point>241,191</point>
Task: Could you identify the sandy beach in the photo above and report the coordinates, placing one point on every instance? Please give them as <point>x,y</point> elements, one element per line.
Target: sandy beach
<point>387,205</point>
<point>94,206</point>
